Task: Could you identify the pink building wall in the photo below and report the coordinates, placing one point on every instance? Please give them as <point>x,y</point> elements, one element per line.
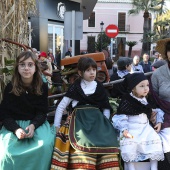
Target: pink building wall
<point>108,13</point>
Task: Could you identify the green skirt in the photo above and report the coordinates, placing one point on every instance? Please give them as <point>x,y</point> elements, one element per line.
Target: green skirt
<point>87,141</point>
<point>91,132</point>
<point>27,154</point>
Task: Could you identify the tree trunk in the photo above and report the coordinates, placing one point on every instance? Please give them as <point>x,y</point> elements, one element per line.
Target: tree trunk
<point>130,51</point>
<point>146,28</point>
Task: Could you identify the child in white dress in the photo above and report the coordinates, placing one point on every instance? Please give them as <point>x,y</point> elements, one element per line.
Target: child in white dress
<point>139,141</point>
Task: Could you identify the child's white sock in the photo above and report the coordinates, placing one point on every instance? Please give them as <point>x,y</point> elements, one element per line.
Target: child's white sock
<point>154,164</point>
<point>131,165</point>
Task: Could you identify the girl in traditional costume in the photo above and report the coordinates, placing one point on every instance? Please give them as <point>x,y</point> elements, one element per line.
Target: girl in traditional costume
<point>139,141</point>
<point>26,138</point>
<point>87,140</point>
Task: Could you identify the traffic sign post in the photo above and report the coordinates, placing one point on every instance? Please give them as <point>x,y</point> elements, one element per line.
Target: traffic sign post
<point>112,31</point>
<point>113,43</point>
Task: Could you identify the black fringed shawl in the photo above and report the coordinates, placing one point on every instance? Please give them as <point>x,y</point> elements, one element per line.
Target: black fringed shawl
<point>131,106</point>
<point>99,98</point>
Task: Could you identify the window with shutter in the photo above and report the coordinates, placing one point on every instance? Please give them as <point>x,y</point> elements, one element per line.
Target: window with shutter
<point>91,21</point>
<point>91,44</point>
<point>121,21</point>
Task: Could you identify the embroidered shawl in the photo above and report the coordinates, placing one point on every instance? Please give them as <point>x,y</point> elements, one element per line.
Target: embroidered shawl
<point>131,106</point>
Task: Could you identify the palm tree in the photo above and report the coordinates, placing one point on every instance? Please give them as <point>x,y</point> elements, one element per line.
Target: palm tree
<point>130,44</point>
<point>161,25</point>
<point>146,6</point>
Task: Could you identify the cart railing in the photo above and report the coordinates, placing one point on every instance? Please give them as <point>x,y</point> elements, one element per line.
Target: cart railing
<point>105,85</point>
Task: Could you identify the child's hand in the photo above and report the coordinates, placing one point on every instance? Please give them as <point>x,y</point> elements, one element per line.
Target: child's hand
<point>127,134</point>
<point>30,130</point>
<point>20,133</point>
<point>157,127</point>
<point>68,118</point>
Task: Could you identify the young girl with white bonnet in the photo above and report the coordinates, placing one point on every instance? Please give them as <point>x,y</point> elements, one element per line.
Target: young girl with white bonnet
<point>139,141</point>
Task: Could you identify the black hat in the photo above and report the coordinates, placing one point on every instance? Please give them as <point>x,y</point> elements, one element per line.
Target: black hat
<point>158,63</point>
<point>124,61</point>
<point>131,80</point>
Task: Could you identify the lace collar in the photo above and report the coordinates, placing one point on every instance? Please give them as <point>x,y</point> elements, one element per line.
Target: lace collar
<point>142,100</point>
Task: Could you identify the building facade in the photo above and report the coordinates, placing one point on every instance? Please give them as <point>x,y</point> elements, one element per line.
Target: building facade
<point>48,24</point>
<point>114,12</point>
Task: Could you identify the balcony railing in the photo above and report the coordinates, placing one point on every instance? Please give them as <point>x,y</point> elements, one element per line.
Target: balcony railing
<point>125,28</point>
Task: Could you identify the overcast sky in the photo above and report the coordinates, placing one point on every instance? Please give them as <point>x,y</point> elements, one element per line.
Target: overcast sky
<point>168,4</point>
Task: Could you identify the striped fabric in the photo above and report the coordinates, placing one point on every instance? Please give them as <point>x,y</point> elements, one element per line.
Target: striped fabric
<point>65,157</point>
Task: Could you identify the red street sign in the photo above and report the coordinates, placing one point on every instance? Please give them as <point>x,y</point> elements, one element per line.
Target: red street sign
<point>112,31</point>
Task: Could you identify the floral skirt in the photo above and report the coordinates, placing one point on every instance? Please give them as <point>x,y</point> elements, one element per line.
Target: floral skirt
<point>66,156</point>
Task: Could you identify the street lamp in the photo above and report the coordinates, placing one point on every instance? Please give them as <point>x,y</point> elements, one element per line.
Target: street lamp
<point>101,36</point>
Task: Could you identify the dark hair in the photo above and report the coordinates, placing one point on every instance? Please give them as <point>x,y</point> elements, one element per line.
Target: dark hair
<point>122,68</point>
<point>85,62</point>
<point>167,48</point>
<point>17,83</point>
<point>145,54</point>
<point>109,63</point>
